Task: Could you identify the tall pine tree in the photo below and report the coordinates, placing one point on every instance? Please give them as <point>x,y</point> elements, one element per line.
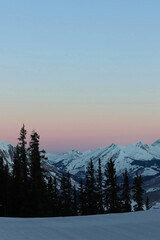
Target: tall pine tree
<point>24,170</point>
<point>100,208</point>
<point>126,196</point>
<point>138,192</point>
<point>90,190</point>
<point>81,199</point>
<point>37,178</point>
<point>112,200</point>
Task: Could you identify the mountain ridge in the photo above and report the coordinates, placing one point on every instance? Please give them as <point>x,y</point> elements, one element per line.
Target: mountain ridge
<point>138,158</point>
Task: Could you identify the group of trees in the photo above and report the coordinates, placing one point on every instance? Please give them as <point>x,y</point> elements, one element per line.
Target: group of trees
<point>103,195</point>
<point>28,190</point>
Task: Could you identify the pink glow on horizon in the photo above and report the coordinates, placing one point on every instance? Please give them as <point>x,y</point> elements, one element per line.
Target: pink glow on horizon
<point>84,128</point>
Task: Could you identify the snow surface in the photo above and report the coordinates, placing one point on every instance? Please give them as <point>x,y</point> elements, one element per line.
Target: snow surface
<point>133,226</point>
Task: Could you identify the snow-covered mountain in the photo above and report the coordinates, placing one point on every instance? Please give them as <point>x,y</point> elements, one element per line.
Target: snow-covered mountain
<point>140,157</point>
<point>6,152</point>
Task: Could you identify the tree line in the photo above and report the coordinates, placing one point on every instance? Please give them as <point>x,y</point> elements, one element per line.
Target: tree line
<point>28,190</point>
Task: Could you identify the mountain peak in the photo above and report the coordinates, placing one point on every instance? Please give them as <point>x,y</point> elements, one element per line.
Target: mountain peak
<point>156,143</point>
<point>4,145</point>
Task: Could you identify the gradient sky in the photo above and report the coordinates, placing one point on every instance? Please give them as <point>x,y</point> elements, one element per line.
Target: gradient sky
<point>82,73</point>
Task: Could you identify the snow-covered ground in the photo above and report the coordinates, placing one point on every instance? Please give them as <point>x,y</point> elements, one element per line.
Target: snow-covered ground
<point>133,226</point>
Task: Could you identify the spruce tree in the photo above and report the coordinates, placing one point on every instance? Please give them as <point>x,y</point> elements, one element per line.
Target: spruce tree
<point>55,198</point>
<point>37,178</point>
<point>23,170</point>
<point>17,196</point>
<point>90,190</point>
<point>100,208</point>
<point>138,192</point>
<point>50,197</point>
<point>112,200</point>
<point>74,202</point>
<point>126,196</point>
<point>23,156</point>
<point>69,194</point>
<point>63,196</point>
<point>81,199</point>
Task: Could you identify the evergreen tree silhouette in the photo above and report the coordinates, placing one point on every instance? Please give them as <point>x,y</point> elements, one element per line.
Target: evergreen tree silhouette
<point>81,199</point>
<point>38,185</point>
<point>74,202</point>
<point>63,196</point>
<point>23,170</point>
<point>138,192</point>
<point>112,200</point>
<point>126,196</point>
<point>100,208</point>
<point>17,196</point>
<point>90,190</point>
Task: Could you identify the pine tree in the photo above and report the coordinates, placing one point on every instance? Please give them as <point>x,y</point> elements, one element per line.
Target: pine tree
<point>74,202</point>
<point>37,178</point>
<point>50,197</point>
<point>126,196</point>
<point>81,199</point>
<point>17,196</point>
<point>23,171</point>
<point>55,198</point>
<point>112,200</point>
<point>63,196</point>
<point>138,192</point>
<point>99,189</point>
<point>69,193</point>
<point>90,190</point>
<point>23,157</point>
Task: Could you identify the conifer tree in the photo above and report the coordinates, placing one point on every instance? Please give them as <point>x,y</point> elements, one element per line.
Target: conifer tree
<point>17,196</point>
<point>63,196</point>
<point>100,208</point>
<point>126,196</point>
<point>74,202</point>
<point>112,200</point>
<point>138,192</point>
<point>50,197</point>
<point>23,170</point>
<point>69,194</point>
<point>38,186</point>
<point>23,157</point>
<point>55,198</point>
<point>90,190</point>
<point>81,199</point>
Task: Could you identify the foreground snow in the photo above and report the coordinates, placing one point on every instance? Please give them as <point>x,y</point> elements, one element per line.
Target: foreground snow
<point>132,226</point>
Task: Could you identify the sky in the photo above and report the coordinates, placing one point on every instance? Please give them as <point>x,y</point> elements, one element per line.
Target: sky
<point>83,74</point>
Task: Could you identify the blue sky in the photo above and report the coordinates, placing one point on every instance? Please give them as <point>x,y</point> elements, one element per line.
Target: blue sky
<point>80,60</point>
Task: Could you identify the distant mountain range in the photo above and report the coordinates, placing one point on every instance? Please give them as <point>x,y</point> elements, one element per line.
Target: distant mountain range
<point>140,157</point>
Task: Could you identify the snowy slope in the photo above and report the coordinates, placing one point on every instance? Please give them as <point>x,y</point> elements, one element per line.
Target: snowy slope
<point>133,226</point>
